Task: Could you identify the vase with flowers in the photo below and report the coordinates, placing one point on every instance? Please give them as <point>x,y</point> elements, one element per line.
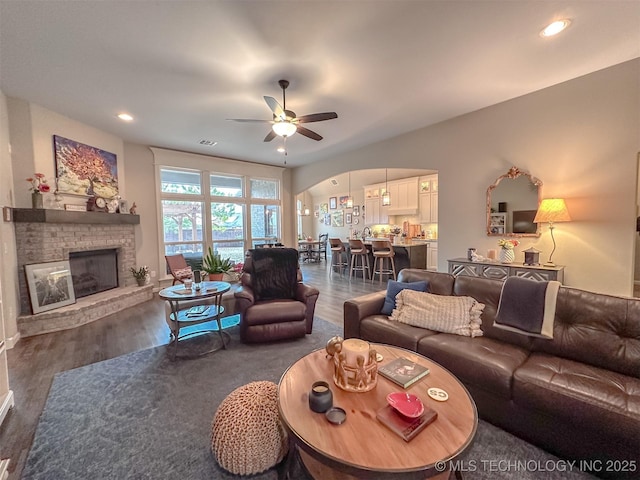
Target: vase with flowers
<point>38,186</point>
<point>507,254</point>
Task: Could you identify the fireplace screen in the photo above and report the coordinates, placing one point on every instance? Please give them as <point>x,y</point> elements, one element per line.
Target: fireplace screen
<point>94,271</point>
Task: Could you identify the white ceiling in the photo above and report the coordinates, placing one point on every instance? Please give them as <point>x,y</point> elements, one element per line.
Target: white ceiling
<point>181,68</point>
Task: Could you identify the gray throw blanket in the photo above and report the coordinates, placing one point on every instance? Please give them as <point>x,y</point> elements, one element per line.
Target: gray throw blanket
<point>527,307</point>
<point>275,273</point>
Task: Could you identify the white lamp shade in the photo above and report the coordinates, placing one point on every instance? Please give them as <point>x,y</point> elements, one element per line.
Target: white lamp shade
<point>552,210</point>
<point>284,129</point>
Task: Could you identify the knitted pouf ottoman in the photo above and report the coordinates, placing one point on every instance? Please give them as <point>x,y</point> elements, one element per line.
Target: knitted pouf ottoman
<point>247,436</point>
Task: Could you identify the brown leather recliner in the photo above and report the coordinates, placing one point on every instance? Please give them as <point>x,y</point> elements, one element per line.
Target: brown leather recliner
<point>273,302</point>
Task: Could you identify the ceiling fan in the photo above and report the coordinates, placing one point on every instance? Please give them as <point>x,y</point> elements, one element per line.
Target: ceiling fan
<point>285,123</point>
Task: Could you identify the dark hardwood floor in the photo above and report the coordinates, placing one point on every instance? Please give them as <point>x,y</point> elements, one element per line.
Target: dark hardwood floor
<point>34,361</point>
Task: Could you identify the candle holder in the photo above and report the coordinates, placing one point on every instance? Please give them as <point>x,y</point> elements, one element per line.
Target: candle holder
<point>355,368</point>
<point>320,397</point>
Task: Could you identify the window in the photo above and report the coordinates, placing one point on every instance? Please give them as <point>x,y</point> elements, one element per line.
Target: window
<point>229,212</point>
<point>225,186</point>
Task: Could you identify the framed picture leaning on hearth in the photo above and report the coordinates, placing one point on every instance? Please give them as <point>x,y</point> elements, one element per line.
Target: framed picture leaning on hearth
<point>50,285</point>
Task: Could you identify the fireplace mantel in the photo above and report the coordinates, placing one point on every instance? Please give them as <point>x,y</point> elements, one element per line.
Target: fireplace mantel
<point>41,215</point>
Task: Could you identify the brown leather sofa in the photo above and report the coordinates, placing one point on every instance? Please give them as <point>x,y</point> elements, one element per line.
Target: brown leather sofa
<point>576,396</point>
<point>277,318</point>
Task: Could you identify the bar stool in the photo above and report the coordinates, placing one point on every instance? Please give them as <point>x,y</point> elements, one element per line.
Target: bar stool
<point>337,256</point>
<point>382,250</point>
<point>359,251</point>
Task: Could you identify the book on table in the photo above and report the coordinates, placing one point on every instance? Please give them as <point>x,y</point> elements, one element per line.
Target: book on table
<point>406,427</point>
<point>403,371</point>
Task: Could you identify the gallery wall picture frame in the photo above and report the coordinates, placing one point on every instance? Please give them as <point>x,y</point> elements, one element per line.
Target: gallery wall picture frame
<point>333,203</point>
<point>337,219</point>
<point>324,208</point>
<point>343,201</point>
<point>347,218</point>
<point>50,285</point>
<point>356,210</point>
<point>327,219</point>
<point>84,170</point>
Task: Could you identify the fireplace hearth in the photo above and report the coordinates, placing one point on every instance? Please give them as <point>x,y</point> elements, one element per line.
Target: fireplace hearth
<point>54,235</point>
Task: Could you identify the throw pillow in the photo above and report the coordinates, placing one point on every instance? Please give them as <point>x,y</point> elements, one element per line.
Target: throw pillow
<point>441,313</point>
<point>393,288</point>
<point>184,273</point>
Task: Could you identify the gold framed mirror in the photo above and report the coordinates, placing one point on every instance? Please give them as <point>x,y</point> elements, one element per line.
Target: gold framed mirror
<point>512,202</point>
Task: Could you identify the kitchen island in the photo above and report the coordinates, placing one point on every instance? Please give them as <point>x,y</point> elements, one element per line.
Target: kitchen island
<point>407,255</point>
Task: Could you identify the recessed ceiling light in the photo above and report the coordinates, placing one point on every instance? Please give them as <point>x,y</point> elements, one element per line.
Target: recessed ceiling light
<point>208,143</point>
<point>125,116</point>
<point>555,28</point>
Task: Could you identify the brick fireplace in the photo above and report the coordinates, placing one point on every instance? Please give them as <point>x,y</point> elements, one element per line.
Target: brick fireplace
<point>51,235</point>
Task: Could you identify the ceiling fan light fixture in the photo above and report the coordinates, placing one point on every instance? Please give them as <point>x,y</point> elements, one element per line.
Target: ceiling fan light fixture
<point>284,129</point>
<point>555,28</point>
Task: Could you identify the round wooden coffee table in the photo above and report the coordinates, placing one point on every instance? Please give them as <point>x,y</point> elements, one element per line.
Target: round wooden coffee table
<point>362,446</point>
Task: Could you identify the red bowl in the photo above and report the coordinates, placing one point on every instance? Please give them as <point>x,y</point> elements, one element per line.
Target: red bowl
<point>406,403</point>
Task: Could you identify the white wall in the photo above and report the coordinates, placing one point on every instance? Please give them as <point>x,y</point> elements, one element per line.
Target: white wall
<point>32,129</point>
<point>580,138</point>
<point>8,259</point>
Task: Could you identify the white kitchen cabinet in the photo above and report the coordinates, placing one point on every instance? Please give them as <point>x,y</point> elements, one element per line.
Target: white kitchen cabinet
<point>425,208</point>
<point>374,212</point>
<point>432,257</point>
<point>434,207</point>
<point>428,202</point>
<point>404,196</point>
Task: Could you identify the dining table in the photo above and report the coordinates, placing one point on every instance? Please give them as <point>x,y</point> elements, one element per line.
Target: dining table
<point>305,247</point>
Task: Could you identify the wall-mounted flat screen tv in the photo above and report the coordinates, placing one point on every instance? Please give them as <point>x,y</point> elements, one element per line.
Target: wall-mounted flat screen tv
<point>523,221</point>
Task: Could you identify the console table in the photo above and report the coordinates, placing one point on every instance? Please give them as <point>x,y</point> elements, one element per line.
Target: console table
<point>500,271</point>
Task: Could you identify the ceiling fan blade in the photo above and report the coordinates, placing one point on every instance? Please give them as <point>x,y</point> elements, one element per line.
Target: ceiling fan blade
<point>249,120</point>
<point>308,133</point>
<point>270,136</point>
<point>317,117</point>
<point>275,107</point>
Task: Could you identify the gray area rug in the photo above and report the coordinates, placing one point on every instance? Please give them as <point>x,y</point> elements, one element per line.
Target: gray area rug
<point>143,416</point>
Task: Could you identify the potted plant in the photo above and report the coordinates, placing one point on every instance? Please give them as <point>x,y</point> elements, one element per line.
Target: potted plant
<point>141,275</point>
<point>215,265</point>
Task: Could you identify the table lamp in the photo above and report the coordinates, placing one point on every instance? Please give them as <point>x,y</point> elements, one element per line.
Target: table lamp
<point>552,210</point>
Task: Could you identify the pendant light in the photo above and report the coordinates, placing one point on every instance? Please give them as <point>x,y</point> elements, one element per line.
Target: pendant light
<point>304,212</point>
<point>386,198</point>
<point>349,198</point>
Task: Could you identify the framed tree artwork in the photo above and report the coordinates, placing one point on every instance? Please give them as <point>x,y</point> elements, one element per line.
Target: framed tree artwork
<point>84,170</point>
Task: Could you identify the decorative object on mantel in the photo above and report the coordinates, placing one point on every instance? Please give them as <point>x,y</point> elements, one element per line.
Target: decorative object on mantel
<point>141,275</point>
<point>38,186</point>
<point>552,210</point>
<point>85,170</point>
<point>132,210</point>
<point>507,255</point>
<point>50,285</point>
